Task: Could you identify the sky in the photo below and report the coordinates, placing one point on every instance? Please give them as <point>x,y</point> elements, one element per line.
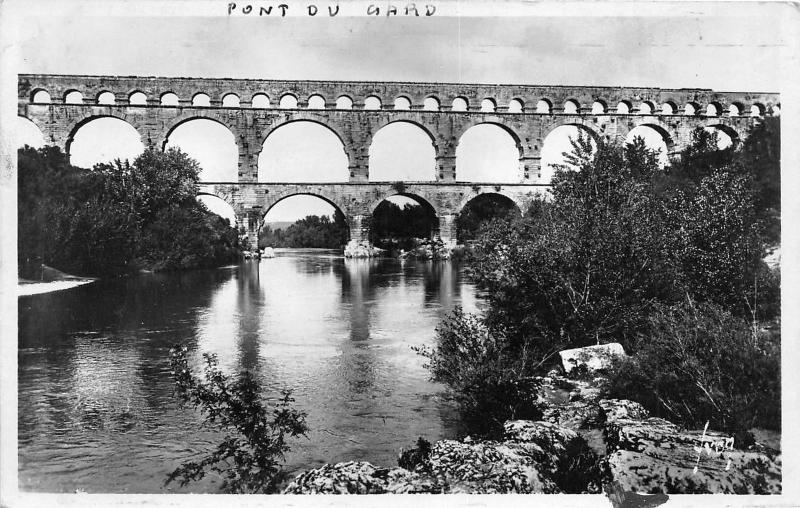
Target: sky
<point>721,45</point>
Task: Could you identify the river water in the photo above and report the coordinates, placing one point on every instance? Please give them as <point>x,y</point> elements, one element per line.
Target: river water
<point>97,411</point>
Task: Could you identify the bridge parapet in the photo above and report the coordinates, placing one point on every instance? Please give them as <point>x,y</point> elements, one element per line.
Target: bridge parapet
<point>501,95</point>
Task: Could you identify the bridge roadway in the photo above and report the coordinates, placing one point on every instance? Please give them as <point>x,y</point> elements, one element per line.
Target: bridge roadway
<point>445,111</point>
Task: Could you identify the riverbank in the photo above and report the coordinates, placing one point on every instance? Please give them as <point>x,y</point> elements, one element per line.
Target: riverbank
<point>584,443</point>
<point>29,287</point>
<point>50,280</point>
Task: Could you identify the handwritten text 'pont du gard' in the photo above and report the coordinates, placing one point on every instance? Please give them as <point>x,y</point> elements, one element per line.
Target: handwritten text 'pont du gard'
<point>410,9</point>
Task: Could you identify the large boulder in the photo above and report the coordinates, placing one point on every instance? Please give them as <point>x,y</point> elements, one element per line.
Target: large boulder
<point>652,455</point>
<point>592,357</point>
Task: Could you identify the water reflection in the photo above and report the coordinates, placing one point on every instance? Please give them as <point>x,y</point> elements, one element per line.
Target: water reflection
<point>96,403</point>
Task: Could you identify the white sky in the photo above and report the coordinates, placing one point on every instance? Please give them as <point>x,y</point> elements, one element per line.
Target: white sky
<point>722,46</point>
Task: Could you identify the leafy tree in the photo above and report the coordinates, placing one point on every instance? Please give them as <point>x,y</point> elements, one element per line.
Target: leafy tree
<point>311,231</point>
<point>117,217</point>
<point>614,245</point>
<point>481,210</point>
<point>401,225</point>
<point>583,267</point>
<point>249,458</point>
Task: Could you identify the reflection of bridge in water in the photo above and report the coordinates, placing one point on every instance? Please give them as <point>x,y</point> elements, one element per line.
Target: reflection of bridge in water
<point>60,105</point>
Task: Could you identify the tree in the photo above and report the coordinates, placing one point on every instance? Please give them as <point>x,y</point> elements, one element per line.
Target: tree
<point>249,458</point>
<point>117,217</point>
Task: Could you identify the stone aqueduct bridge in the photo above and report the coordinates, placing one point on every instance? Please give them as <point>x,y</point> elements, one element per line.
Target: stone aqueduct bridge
<point>527,112</point>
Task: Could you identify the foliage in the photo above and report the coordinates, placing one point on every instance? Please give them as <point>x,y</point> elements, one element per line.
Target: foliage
<point>617,242</point>
<point>484,377</point>
<point>310,232</point>
<point>697,362</point>
<point>585,266</point>
<point>117,217</point>
<point>479,211</point>
<point>417,456</point>
<point>249,459</point>
<point>391,222</point>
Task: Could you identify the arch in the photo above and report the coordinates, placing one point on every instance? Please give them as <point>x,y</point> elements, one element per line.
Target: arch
<point>668,108</point>
<point>28,133</point>
<point>419,220</point>
<point>259,101</point>
<point>40,96</point>
<point>646,108</point>
<point>656,138</point>
<point>735,109</point>
<point>516,106</point>
<point>169,99</point>
<point>460,104</point>
<point>294,192</point>
<point>288,101</point>
<point>757,109</point>
<point>544,106</point>
<point>423,200</point>
<point>230,100</point>
<point>201,100</point>
<point>217,205</point>
<point>73,97</point>
<point>488,152</point>
<point>210,142</point>
<point>137,98</point>
<point>101,139</point>
<point>488,105</point>
<point>623,108</point>
<point>430,104</point>
<point>344,102</point>
<point>691,109</point>
<point>727,136</point>
<point>372,103</point>
<point>402,103</point>
<point>405,143</point>
<point>306,150</point>
<point>557,142</point>
<point>466,200</point>
<point>598,107</point>
<point>713,109</point>
<point>106,97</point>
<point>571,107</point>
<point>316,101</point>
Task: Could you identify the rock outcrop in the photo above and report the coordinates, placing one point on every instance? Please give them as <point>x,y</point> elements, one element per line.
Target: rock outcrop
<point>362,249</point>
<point>651,455</point>
<point>583,442</point>
<point>528,460</point>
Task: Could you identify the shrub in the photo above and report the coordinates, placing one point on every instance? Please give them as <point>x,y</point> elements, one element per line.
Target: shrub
<point>250,458</point>
<point>484,377</point>
<point>416,456</point>
<point>698,363</point>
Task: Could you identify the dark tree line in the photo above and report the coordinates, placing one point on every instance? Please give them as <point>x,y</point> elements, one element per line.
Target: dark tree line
<point>116,218</point>
<point>311,231</point>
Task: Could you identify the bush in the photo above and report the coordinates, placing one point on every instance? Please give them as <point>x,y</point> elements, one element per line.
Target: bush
<point>117,217</point>
<point>250,459</point>
<point>485,378</point>
<point>698,363</point>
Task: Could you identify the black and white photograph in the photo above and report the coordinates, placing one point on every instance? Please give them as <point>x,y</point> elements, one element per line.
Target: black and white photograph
<point>448,253</point>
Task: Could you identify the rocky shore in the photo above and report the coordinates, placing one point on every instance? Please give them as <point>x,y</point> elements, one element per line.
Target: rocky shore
<point>584,443</point>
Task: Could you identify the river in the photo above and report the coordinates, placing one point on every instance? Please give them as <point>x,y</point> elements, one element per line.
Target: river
<point>97,411</point>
